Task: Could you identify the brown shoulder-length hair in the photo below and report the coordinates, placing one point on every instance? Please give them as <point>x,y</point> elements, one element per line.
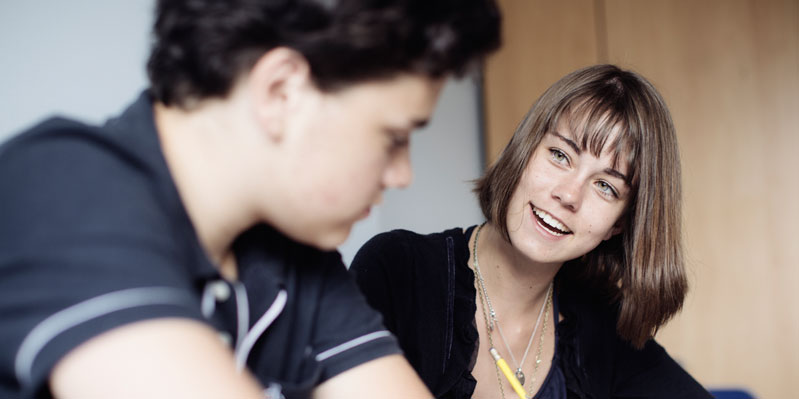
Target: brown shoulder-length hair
<point>641,268</point>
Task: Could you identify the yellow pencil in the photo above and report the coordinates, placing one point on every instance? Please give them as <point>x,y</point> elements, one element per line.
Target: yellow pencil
<point>503,365</point>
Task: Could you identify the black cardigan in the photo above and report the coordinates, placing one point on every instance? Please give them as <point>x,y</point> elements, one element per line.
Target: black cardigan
<point>424,288</point>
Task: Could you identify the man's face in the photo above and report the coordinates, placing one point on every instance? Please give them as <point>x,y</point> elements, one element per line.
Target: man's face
<point>345,148</point>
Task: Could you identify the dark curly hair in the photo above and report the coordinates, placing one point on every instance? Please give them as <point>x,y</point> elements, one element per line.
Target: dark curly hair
<point>202,46</point>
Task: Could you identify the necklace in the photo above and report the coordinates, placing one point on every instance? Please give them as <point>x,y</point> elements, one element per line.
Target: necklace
<point>490,318</point>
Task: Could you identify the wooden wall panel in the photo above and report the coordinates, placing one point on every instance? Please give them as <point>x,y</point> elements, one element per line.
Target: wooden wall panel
<point>729,70</point>
<point>541,39</point>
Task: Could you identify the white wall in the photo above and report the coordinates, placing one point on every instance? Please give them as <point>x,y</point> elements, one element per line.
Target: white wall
<point>86,59</point>
<point>83,58</point>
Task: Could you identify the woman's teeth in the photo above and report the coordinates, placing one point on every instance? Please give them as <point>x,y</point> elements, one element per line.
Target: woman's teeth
<point>551,223</point>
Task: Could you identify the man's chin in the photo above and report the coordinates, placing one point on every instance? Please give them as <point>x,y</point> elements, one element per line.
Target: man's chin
<point>329,240</point>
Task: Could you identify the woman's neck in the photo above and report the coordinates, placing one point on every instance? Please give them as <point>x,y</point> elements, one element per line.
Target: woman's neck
<point>517,286</point>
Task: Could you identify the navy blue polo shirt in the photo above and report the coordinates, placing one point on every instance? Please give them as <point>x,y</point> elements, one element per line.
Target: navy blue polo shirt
<point>93,236</point>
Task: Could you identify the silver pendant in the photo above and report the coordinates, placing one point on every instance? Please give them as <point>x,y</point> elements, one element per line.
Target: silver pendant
<point>520,375</point>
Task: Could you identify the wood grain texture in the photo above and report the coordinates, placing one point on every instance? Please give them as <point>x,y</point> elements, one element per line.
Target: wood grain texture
<point>541,40</point>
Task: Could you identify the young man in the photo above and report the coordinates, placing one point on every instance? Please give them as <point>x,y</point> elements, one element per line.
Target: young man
<point>187,247</point>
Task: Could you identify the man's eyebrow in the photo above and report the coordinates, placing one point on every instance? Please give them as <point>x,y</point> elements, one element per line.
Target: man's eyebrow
<point>568,141</point>
<point>412,126</point>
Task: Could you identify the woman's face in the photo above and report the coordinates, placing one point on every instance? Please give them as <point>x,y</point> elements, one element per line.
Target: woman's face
<point>567,200</point>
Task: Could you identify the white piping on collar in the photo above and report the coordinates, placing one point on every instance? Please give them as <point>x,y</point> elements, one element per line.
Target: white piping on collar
<point>242,312</point>
<point>243,350</point>
<point>208,303</point>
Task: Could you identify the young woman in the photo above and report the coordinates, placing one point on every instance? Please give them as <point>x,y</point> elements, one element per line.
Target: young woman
<point>577,265</point>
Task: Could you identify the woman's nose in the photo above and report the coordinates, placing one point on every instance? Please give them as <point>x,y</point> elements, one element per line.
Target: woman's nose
<point>568,192</point>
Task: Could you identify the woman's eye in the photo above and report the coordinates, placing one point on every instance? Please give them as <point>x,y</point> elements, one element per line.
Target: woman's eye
<point>607,189</point>
<point>558,156</point>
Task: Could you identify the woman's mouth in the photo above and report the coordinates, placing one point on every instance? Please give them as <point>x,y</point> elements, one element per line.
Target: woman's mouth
<point>549,222</point>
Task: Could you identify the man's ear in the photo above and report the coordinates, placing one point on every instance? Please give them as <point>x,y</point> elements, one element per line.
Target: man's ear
<point>276,82</point>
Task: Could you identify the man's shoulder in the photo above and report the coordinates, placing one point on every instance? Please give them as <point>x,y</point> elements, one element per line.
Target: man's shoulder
<point>61,142</point>
<point>63,179</point>
<point>56,130</point>
<point>129,139</point>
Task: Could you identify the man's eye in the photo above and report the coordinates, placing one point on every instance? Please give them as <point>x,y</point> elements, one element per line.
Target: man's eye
<point>398,139</point>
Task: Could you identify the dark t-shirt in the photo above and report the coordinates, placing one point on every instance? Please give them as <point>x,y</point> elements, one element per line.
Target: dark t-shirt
<point>93,236</point>
<point>424,288</point>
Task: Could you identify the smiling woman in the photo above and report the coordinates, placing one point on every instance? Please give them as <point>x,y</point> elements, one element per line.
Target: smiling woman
<point>568,194</point>
<point>582,223</point>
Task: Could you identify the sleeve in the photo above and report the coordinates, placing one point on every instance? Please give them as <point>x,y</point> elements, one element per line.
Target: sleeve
<point>83,249</point>
<point>376,269</point>
<point>652,373</point>
<point>595,358</point>
<point>405,277</point>
<point>349,332</point>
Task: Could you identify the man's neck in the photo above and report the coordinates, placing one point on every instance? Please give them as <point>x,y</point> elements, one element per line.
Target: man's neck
<point>200,149</point>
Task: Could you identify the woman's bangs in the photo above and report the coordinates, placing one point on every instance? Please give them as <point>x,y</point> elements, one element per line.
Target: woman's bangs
<point>606,127</point>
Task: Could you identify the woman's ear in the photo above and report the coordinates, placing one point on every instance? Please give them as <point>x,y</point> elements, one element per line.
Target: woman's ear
<point>276,83</point>
<point>617,228</point>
